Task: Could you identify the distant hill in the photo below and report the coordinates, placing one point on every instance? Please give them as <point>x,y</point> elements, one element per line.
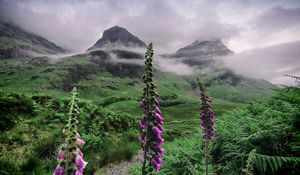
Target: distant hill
<point>17,43</point>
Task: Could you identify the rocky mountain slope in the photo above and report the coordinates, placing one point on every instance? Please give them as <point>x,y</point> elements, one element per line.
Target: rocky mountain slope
<point>17,43</point>
<point>116,42</point>
<point>202,54</point>
<point>207,48</point>
<point>88,69</point>
<point>116,37</point>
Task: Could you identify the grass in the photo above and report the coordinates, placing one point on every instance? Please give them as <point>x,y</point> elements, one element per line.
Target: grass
<point>48,78</point>
<point>270,126</point>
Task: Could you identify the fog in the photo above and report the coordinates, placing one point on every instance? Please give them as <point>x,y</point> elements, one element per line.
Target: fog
<point>264,35</point>
<point>270,63</point>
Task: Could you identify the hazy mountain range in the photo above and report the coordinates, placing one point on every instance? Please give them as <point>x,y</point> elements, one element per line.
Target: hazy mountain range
<point>17,43</point>
<point>121,53</point>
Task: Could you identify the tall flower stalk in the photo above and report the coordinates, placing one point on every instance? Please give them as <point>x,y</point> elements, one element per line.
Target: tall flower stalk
<point>152,121</point>
<point>206,121</point>
<point>70,158</point>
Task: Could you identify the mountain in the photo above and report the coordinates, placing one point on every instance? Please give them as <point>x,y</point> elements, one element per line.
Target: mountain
<point>117,37</point>
<point>34,95</point>
<point>202,54</point>
<point>206,48</point>
<point>17,43</point>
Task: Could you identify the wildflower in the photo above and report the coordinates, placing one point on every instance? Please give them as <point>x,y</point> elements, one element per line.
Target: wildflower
<point>206,115</point>
<point>70,157</point>
<point>59,170</point>
<point>156,162</point>
<point>60,154</point>
<point>206,121</point>
<point>80,163</point>
<point>79,142</point>
<point>142,123</point>
<point>152,120</point>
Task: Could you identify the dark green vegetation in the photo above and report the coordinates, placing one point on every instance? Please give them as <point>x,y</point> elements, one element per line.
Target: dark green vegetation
<point>35,92</point>
<point>33,133</point>
<point>270,126</point>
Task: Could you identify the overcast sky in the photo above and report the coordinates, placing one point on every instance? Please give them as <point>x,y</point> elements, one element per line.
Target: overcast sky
<point>243,25</point>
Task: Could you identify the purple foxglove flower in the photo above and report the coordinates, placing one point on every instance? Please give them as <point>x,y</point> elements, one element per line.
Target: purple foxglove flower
<point>73,155</point>
<point>79,152</point>
<point>59,170</point>
<point>78,136</point>
<point>160,150</point>
<point>153,119</point>
<point>159,127</point>
<point>142,137</point>
<point>142,123</point>
<point>156,130</point>
<point>206,115</point>
<point>60,154</point>
<point>80,163</point>
<point>157,159</point>
<point>209,101</point>
<point>155,101</point>
<point>159,140</point>
<point>157,110</point>
<point>156,162</point>
<point>79,142</point>
<point>159,118</point>
<point>78,172</point>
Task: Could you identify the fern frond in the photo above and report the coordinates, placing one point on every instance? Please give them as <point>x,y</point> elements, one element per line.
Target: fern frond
<point>274,163</point>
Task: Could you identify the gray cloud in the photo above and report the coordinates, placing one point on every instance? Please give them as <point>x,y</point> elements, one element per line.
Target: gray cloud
<point>277,19</point>
<point>246,27</point>
<point>270,63</point>
<point>78,24</point>
<point>169,24</point>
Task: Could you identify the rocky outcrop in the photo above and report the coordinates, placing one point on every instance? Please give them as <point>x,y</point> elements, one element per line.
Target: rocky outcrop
<point>116,37</point>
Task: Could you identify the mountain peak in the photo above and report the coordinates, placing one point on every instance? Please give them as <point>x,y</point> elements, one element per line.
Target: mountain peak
<point>204,48</point>
<point>117,36</point>
<point>212,40</point>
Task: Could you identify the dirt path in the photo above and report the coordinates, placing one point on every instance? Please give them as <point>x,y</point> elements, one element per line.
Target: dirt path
<point>122,167</point>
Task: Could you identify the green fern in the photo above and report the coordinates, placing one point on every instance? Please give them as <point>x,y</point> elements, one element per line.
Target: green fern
<point>274,163</point>
<point>295,143</point>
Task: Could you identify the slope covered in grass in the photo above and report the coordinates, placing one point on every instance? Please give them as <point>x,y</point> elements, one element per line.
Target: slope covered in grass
<point>109,94</point>
<point>117,86</point>
<point>270,126</point>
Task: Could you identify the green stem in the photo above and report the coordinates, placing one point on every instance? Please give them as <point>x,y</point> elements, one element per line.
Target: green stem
<point>206,157</point>
<point>146,146</point>
<point>68,135</point>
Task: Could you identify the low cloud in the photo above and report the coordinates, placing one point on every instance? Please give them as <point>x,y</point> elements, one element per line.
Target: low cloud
<point>270,63</point>
<point>77,25</point>
<point>256,30</point>
<point>173,65</point>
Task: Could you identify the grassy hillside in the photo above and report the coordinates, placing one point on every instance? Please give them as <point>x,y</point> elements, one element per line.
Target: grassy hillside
<point>118,86</point>
<point>35,92</point>
<point>270,127</point>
